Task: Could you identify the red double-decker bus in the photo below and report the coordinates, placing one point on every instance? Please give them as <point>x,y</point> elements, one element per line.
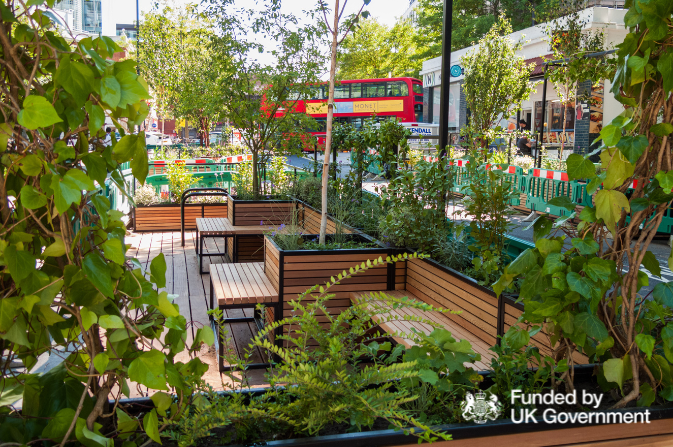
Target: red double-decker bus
<point>355,100</point>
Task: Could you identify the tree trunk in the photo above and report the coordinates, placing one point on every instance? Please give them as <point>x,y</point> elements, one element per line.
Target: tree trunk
<point>162,133</point>
<point>330,117</point>
<point>255,188</point>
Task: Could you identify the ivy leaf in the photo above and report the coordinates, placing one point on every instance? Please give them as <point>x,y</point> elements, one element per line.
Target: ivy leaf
<point>111,322</point>
<point>96,117</point>
<point>651,263</point>
<point>165,306</point>
<point>37,112</point>
<point>58,426</point>
<point>100,362</point>
<point>553,264</point>
<point>646,344</point>
<point>586,246</point>
<point>149,369</point>
<point>114,251</point>
<point>609,206</point>
<point>428,376</point>
<point>126,425</point>
<point>79,179</point>
<point>598,269</point>
<point>76,78</point>
<point>662,129</point>
<point>110,91</point>
<point>132,91</point>
<point>523,263</point>
<point>588,214</point>
<point>618,168</point>
<point>567,322</point>
<point>633,147</point>
<point>604,346</point>
<point>665,66</point>
<point>663,294</point>
<point>563,202</point>
<point>639,204</point>
<point>20,263</point>
<point>55,250</point>
<point>591,325</point>
<point>613,370</point>
<point>162,402</point>
<point>550,307</point>
<point>542,227</point>
<point>611,134</point>
<point>579,167</point>
<point>647,395</point>
<point>96,167</point>
<point>158,270</point>
<point>516,338</point>
<point>31,165</point>
<point>151,426</point>
<point>665,180</point>
<point>547,246</point>
<point>65,193</point>
<point>31,198</point>
<point>203,335</point>
<point>579,284</point>
<point>98,272</point>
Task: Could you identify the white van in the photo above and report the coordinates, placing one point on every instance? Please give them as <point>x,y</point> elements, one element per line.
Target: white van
<point>155,139</point>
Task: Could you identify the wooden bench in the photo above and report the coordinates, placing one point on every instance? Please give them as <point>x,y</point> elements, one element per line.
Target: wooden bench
<point>403,326</point>
<point>242,286</point>
<point>222,227</point>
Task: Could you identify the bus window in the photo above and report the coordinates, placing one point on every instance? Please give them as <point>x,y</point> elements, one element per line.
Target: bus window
<point>397,88</point>
<point>418,111</point>
<point>418,88</point>
<point>356,90</point>
<point>321,124</point>
<point>342,91</point>
<point>316,92</point>
<point>374,90</point>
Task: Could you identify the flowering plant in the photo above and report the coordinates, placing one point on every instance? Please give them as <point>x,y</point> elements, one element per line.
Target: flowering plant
<point>146,195</point>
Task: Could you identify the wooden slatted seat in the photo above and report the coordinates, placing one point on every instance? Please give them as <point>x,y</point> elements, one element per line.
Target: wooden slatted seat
<point>242,286</point>
<point>402,326</point>
<point>222,227</point>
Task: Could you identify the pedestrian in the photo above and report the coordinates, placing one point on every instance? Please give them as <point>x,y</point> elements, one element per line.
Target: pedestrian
<point>523,143</point>
<point>108,136</point>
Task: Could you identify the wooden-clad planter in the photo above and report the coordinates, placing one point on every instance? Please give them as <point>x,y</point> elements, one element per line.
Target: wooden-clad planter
<point>292,272</point>
<point>167,217</point>
<point>252,212</point>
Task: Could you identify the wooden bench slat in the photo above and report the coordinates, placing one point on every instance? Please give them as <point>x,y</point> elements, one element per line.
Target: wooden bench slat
<point>241,283</point>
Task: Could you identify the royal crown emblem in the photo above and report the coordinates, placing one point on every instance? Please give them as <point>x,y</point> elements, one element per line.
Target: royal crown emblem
<point>480,408</point>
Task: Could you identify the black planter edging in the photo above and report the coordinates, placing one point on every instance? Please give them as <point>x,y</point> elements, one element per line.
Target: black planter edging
<point>459,431</point>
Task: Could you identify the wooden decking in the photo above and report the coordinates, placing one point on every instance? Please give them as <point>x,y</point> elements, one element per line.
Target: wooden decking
<point>192,290</point>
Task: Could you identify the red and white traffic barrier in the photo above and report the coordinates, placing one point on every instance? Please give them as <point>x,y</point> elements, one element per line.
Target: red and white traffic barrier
<point>552,175</point>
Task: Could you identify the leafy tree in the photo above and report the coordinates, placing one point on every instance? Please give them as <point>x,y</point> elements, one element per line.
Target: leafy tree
<point>496,81</point>
<point>374,50</point>
<point>67,288</point>
<point>177,55</point>
<point>338,35</point>
<point>591,297</point>
<point>262,98</point>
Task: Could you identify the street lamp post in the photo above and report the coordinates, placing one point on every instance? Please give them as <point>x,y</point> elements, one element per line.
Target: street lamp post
<point>446,78</point>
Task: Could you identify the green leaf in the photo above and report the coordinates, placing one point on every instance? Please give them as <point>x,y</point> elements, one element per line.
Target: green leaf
<point>647,395</point>
<point>613,370</point>
<point>17,333</point>
<point>31,198</point>
<point>550,307</point>
<point>8,310</point>
<point>604,346</point>
<point>611,134</point>
<point>665,180</point>
<point>588,214</point>
<point>64,152</point>
<point>516,338</point>
<point>101,361</point>
<point>132,91</point>
<point>58,426</point>
<point>563,202</point>
<point>591,325</point>
<point>663,294</point>
<point>166,307</point>
<point>158,270</point>
<point>547,246</point>
<point>662,129</point>
<point>110,91</point>
<point>609,206</point>
<point>633,147</point>
<point>37,112</point>
<point>162,402</point>
<point>111,322</point>
<point>646,343</point>
<point>96,117</point>
<point>523,263</point>
<point>90,438</point>
<point>598,269</point>
<point>20,263</point>
<point>651,263</point>
<point>203,335</point>
<point>665,67</point>
<point>114,251</point>
<point>151,426</point>
<point>149,370</point>
<point>76,78</point>
<point>428,376</point>
<point>65,193</point>
<point>79,179</point>
<point>542,227</point>
<point>55,250</point>
<point>579,167</point>
<point>88,318</point>
<point>31,165</point>
<point>567,322</point>
<point>579,284</point>
<point>98,272</point>
<point>126,425</point>
<point>554,263</point>
<point>618,168</point>
<point>96,167</point>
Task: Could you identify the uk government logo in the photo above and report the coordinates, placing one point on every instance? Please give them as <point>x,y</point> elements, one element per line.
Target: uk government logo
<point>481,408</point>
